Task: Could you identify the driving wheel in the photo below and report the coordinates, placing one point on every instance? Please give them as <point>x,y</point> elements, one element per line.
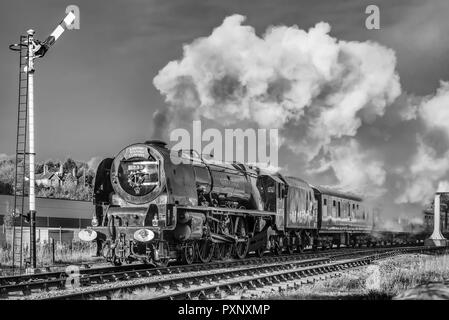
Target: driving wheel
<point>188,253</point>
<point>205,250</point>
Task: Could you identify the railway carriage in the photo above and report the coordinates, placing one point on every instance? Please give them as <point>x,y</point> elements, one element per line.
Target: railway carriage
<point>343,218</point>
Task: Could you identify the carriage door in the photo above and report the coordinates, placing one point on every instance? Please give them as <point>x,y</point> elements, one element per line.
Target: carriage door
<point>280,205</point>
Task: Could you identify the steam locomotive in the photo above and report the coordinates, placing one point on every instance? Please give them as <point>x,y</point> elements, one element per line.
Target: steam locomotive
<point>153,204</point>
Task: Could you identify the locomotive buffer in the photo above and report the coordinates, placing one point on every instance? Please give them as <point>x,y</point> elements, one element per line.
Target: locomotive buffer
<point>30,49</point>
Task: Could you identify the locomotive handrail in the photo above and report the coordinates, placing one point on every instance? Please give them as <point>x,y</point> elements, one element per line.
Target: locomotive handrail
<point>17,46</point>
<point>224,209</point>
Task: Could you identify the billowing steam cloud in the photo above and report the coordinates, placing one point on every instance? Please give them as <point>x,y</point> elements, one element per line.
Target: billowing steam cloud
<point>321,93</point>
<point>234,74</point>
<point>430,164</point>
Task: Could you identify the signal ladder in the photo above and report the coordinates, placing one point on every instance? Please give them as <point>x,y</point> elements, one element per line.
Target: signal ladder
<point>21,157</point>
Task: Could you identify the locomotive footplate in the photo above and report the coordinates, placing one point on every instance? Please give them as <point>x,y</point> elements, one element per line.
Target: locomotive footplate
<point>125,244</point>
<point>140,233</point>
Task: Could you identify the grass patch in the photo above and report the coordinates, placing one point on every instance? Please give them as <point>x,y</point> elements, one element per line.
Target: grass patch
<point>383,279</point>
<point>65,253</point>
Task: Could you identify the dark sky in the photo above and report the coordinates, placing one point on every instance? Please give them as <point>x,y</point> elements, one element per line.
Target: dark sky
<point>94,92</point>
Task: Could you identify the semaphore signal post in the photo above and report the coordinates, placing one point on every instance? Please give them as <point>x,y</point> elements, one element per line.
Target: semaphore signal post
<point>30,49</point>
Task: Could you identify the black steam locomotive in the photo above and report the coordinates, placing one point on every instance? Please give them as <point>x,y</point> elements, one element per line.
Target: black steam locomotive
<point>154,204</point>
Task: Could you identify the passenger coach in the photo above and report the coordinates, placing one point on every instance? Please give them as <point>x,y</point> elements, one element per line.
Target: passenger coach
<point>342,218</point>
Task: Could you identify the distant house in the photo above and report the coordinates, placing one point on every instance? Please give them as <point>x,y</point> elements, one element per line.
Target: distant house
<point>48,179</point>
<point>71,177</point>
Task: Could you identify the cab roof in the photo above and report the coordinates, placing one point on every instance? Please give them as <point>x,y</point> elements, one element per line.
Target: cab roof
<point>296,182</point>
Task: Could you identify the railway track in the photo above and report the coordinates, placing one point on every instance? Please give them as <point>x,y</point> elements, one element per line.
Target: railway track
<point>58,280</point>
<point>25,284</point>
<point>244,276</point>
<point>256,278</point>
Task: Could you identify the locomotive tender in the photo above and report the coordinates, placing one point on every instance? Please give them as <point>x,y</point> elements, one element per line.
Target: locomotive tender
<point>154,204</point>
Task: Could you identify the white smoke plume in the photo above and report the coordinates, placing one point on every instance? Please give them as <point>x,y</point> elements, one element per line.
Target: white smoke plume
<point>235,74</point>
<point>425,169</point>
<point>430,164</point>
<point>443,186</point>
<point>93,163</point>
<point>353,167</point>
<point>320,92</point>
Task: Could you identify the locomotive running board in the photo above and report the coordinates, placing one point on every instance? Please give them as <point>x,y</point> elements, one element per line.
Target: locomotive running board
<point>228,210</point>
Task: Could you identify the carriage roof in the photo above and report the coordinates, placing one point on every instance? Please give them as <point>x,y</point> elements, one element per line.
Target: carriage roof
<point>336,193</point>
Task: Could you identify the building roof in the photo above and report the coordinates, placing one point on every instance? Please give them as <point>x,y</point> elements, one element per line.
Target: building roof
<point>48,175</point>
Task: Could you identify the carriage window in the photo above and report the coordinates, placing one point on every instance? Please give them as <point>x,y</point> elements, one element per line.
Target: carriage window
<point>307,201</point>
<point>334,203</point>
<point>325,202</point>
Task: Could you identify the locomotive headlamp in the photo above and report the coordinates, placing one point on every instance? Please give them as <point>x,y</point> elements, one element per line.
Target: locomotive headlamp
<point>87,235</point>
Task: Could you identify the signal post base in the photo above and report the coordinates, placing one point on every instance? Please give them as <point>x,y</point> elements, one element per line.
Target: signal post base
<point>436,242</point>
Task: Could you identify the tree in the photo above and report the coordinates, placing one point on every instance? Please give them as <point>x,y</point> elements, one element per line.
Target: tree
<point>7,169</point>
<point>71,188</point>
<point>69,165</point>
<point>52,166</point>
<point>8,220</point>
<point>7,175</point>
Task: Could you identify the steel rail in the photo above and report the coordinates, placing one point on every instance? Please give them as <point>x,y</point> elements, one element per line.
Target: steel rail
<point>45,281</point>
<point>207,278</point>
<point>57,279</point>
<point>259,279</point>
<point>174,282</point>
